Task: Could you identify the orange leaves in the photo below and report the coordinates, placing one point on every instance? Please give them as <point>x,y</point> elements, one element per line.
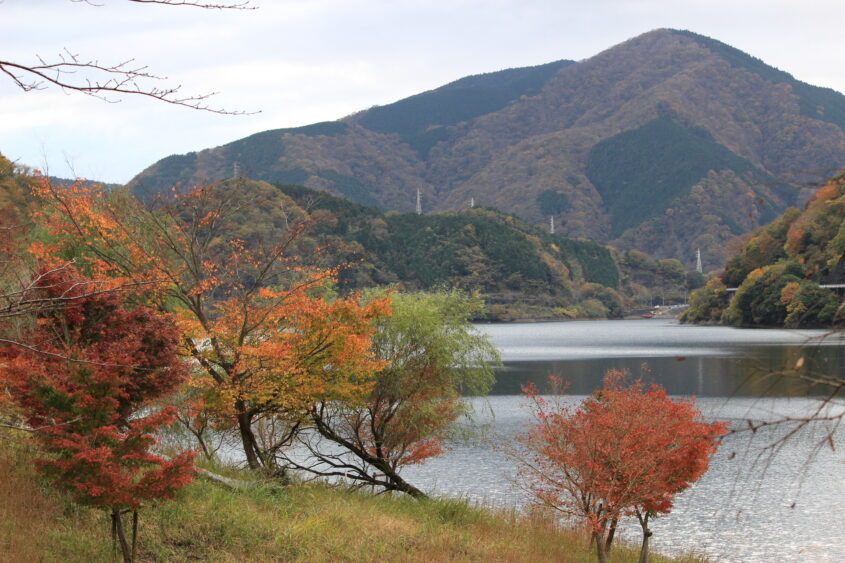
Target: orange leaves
<point>421,451</point>
<point>102,231</point>
<point>828,192</point>
<point>788,293</point>
<point>265,335</point>
<point>282,350</point>
<point>266,293</point>
<point>628,448</point>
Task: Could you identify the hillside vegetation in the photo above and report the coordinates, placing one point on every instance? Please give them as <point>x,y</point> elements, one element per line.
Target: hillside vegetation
<point>639,173</point>
<point>666,143</point>
<point>779,270</point>
<point>519,269</point>
<point>269,522</point>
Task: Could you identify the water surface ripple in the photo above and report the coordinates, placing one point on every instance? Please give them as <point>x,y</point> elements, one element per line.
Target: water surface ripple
<point>750,506</point>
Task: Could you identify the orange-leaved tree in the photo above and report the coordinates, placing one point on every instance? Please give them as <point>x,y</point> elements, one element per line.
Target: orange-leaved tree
<point>85,386</point>
<point>231,260</point>
<point>430,354</point>
<point>626,450</point>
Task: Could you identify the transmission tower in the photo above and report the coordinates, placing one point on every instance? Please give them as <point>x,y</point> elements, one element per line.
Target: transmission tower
<point>551,224</point>
<point>419,202</point>
<point>698,267</point>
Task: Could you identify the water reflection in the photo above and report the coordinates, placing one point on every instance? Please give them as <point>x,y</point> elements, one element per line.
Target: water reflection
<point>701,361</point>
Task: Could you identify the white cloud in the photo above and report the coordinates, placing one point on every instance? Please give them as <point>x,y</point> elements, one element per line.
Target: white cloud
<point>303,61</point>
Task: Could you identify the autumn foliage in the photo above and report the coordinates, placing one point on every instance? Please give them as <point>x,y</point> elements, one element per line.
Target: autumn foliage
<point>84,383</point>
<point>625,451</point>
<point>780,272</point>
<point>429,353</point>
<point>266,335</point>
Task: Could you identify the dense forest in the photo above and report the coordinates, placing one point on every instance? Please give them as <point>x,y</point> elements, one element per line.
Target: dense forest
<point>666,143</point>
<point>776,277</point>
<point>519,269</point>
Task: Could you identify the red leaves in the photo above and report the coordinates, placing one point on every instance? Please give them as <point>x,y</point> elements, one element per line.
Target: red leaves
<point>627,448</point>
<point>109,467</point>
<point>93,367</point>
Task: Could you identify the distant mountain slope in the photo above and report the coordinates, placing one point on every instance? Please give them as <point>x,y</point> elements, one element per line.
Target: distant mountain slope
<point>668,142</point>
<point>421,120</point>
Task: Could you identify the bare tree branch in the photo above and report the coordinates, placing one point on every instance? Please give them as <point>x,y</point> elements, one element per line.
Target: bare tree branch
<point>28,301</point>
<point>107,81</point>
<point>26,428</point>
<point>100,80</point>
<point>210,6</point>
<point>207,5</point>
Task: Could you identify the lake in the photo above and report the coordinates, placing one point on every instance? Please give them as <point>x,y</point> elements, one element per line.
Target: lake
<point>750,506</point>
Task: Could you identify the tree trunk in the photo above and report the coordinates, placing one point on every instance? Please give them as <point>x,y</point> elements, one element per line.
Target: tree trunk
<point>198,434</point>
<point>611,532</point>
<point>205,450</point>
<point>646,536</point>
<point>134,532</point>
<point>250,444</point>
<point>117,528</point>
<point>600,552</point>
<point>392,481</point>
<point>399,484</point>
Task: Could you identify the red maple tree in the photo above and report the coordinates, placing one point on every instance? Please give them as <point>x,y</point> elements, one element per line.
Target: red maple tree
<point>85,384</point>
<point>257,319</point>
<point>625,451</point>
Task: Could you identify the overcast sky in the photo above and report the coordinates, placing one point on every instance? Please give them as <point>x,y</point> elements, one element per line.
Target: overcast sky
<point>304,61</point>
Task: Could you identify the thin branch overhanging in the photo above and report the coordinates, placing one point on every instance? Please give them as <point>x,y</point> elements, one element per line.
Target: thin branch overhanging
<point>105,81</point>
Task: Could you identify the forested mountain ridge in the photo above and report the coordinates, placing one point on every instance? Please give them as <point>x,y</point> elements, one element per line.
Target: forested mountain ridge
<point>520,270</point>
<point>668,142</point>
<point>777,274</point>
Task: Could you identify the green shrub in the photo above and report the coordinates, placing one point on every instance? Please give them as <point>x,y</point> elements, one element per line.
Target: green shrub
<point>758,300</point>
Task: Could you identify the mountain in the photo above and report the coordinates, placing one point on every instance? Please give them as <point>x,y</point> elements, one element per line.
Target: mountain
<point>666,143</point>
<point>777,274</point>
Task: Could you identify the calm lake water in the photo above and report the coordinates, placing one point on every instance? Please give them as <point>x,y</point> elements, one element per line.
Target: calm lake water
<point>750,506</point>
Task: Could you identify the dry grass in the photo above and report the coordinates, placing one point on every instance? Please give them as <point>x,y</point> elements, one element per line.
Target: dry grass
<point>24,511</point>
<point>273,523</point>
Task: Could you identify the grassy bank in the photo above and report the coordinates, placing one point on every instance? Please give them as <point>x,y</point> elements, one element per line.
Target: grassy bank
<point>268,522</point>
